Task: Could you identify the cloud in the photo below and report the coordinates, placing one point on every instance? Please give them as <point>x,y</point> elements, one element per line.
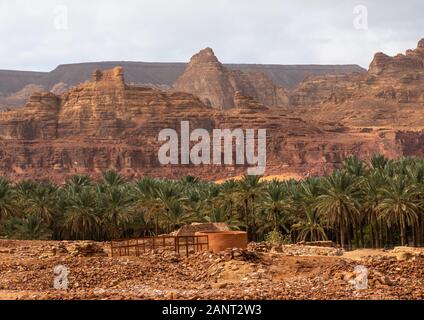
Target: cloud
<point>240,31</point>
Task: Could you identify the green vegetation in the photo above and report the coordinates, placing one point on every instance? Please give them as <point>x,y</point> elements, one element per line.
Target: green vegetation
<point>375,204</point>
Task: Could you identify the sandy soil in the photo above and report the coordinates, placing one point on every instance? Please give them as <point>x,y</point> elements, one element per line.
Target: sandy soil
<point>26,272</point>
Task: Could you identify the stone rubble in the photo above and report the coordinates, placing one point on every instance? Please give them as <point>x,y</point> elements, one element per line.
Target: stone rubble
<point>232,274</point>
<point>296,249</point>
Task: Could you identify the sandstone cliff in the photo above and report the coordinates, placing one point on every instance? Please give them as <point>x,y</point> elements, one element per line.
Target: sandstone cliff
<point>108,124</point>
<point>411,60</point>
<point>17,99</point>
<point>390,94</point>
<point>216,85</point>
<point>157,75</point>
<point>287,76</point>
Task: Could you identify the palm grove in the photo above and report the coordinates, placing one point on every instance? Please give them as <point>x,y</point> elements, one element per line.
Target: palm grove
<point>364,204</point>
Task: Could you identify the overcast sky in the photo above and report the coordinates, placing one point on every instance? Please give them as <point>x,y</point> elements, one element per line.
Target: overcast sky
<point>34,34</point>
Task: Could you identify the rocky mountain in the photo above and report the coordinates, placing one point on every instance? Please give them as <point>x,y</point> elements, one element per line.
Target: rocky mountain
<point>107,124</point>
<point>17,99</point>
<point>14,81</point>
<point>160,75</point>
<point>390,94</point>
<point>412,60</point>
<point>111,123</point>
<point>217,85</point>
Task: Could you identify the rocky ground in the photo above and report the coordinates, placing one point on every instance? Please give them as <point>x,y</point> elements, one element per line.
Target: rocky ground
<point>261,272</point>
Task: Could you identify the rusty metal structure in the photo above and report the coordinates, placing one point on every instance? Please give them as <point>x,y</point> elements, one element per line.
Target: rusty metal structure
<point>180,244</point>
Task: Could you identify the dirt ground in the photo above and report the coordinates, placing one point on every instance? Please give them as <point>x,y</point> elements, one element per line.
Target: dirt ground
<point>27,272</point>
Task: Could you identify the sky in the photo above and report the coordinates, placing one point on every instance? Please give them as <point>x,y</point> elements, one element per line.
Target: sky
<point>39,35</point>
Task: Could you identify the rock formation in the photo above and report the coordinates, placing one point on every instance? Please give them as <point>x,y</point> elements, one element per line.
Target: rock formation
<point>412,60</point>
<point>19,98</point>
<point>158,74</point>
<point>216,85</point>
<point>390,94</point>
<point>206,77</point>
<point>108,123</point>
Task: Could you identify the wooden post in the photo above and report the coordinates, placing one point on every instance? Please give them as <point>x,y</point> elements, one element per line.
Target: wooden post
<point>207,241</point>
<point>178,244</point>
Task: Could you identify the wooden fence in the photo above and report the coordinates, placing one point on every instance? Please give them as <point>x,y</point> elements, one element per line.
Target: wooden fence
<point>181,245</point>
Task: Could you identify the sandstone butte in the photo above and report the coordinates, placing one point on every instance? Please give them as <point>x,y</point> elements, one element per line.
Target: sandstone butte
<point>108,124</point>
<point>217,86</point>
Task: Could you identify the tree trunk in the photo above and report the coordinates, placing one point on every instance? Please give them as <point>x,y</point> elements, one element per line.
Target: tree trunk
<point>357,238</point>
<point>380,234</point>
<point>246,217</point>
<point>342,236</point>
<point>275,219</point>
<point>338,240</point>
<point>349,240</point>
<point>414,238</point>
<point>389,237</point>
<point>402,232</point>
<point>253,219</point>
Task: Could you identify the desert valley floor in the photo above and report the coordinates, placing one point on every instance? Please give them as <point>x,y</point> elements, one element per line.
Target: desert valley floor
<point>261,272</point>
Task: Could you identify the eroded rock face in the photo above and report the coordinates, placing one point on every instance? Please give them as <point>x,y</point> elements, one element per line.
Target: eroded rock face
<point>17,99</point>
<point>206,77</point>
<point>390,95</point>
<point>109,124</point>
<point>412,60</point>
<point>216,85</point>
<point>382,63</point>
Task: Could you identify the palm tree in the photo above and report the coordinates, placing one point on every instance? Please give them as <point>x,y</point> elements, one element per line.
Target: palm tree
<point>81,219</point>
<point>220,215</point>
<point>310,229</point>
<point>166,194</point>
<point>208,199</point>
<point>24,190</point>
<point>42,203</point>
<point>399,205</point>
<point>8,205</point>
<point>113,179</point>
<point>308,220</point>
<point>378,162</point>
<point>274,204</point>
<point>354,166</point>
<point>416,176</point>
<point>189,180</point>
<point>338,204</point>
<point>370,201</point>
<point>27,228</point>
<point>176,215</point>
<point>250,188</point>
<point>146,204</point>
<point>78,181</point>
<point>116,207</point>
